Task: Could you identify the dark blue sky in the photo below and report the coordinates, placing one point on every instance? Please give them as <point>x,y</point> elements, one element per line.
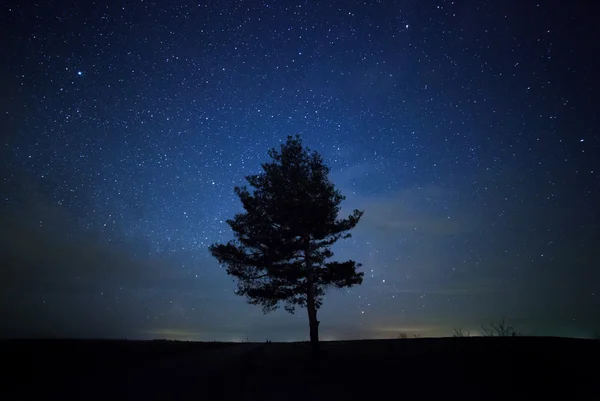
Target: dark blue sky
<point>468,132</point>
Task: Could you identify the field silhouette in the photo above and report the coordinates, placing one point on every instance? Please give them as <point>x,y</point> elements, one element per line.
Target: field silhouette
<point>468,368</point>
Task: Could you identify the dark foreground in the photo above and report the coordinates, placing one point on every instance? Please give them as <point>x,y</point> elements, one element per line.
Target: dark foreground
<point>442,369</point>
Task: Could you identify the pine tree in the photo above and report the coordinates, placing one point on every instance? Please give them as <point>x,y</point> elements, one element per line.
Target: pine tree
<point>283,240</point>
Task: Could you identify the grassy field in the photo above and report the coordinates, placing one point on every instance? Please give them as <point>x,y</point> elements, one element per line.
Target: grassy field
<point>473,368</point>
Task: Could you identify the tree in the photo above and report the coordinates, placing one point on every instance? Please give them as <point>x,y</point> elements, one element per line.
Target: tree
<point>502,329</point>
<point>283,240</point>
<point>461,333</point>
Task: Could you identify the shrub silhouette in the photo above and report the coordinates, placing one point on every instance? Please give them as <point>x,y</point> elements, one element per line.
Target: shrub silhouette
<point>460,333</point>
<point>500,329</point>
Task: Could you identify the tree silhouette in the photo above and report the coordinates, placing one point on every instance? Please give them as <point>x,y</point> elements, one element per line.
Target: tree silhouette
<point>461,333</point>
<point>502,329</point>
<point>283,239</point>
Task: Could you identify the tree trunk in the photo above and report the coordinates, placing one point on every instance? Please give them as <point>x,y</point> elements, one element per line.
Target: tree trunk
<point>312,315</point>
<point>310,302</point>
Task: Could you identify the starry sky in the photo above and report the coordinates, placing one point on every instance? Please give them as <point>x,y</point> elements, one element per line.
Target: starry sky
<point>467,131</point>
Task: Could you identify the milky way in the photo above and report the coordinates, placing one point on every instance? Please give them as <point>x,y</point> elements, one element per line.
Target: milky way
<point>467,133</point>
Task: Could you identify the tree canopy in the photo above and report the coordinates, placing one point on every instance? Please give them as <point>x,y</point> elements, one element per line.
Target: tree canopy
<point>282,242</point>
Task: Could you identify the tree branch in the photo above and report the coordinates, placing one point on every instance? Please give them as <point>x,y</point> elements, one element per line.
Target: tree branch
<point>257,277</point>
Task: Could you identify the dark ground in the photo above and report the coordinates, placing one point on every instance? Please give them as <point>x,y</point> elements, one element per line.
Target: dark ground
<point>475,368</point>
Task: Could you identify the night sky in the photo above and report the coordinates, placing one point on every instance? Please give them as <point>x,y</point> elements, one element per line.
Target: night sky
<point>467,131</point>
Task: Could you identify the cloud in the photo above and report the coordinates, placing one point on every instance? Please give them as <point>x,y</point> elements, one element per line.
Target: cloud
<point>421,211</point>
<point>59,279</point>
<point>393,331</point>
<point>344,178</point>
<point>43,247</point>
<point>425,210</point>
<point>179,334</point>
<point>463,290</point>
